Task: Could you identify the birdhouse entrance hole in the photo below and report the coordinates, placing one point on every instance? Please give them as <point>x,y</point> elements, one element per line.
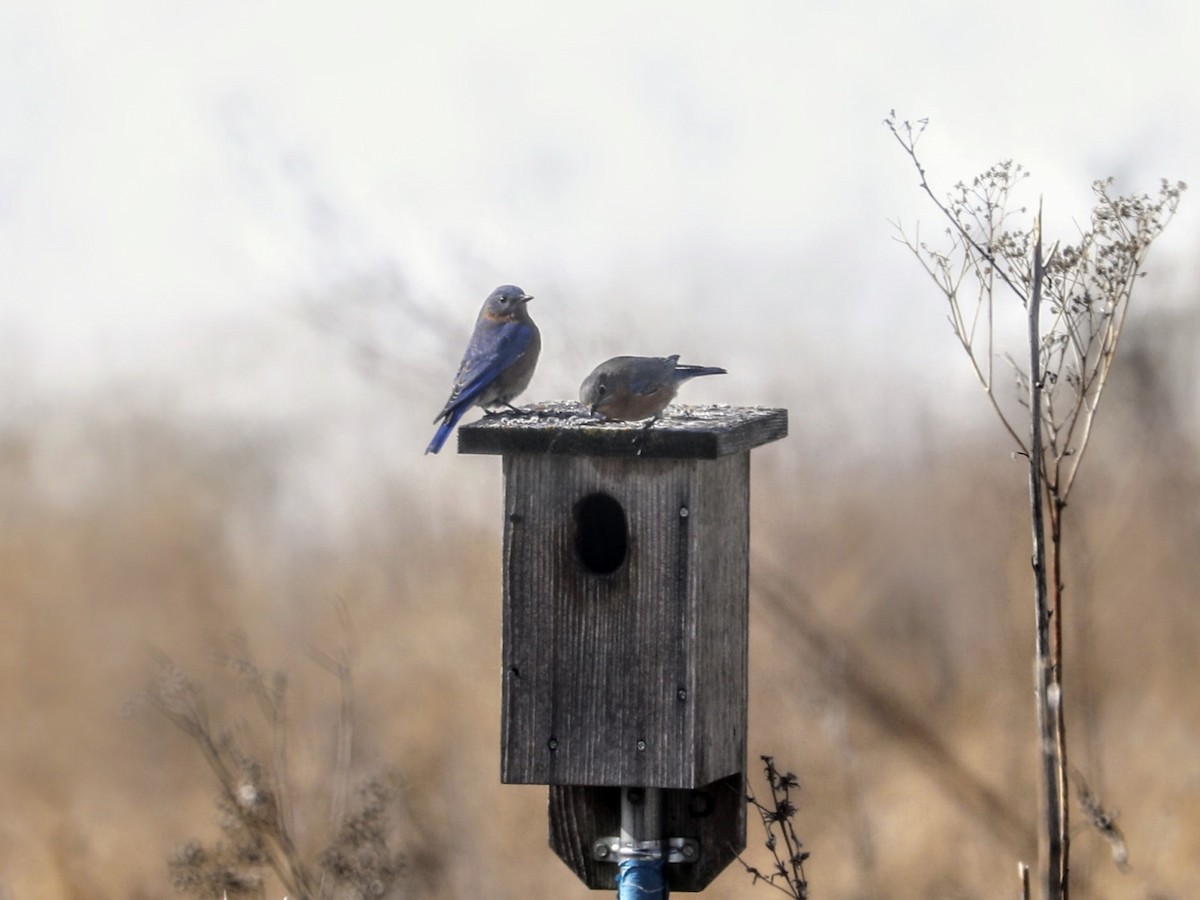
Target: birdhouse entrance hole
<point>601,533</point>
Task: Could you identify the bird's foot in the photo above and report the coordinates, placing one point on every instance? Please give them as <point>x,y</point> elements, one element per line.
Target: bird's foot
<point>643,435</point>
<point>507,410</point>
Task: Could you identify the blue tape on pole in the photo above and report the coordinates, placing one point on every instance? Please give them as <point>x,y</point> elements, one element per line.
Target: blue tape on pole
<point>642,879</point>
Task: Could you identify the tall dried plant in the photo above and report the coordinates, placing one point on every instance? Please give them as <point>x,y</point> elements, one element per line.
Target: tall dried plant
<point>983,260</point>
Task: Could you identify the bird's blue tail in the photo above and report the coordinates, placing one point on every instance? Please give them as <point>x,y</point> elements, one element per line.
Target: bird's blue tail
<point>447,426</point>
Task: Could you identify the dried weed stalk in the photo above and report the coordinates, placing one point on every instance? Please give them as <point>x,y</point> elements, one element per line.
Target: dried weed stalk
<point>256,816</point>
<point>778,821</point>
<point>1087,288</point>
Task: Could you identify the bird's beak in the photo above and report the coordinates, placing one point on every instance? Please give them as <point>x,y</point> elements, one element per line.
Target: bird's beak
<point>526,297</point>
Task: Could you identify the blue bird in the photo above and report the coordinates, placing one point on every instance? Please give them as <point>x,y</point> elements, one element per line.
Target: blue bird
<point>499,361</point>
<point>637,387</point>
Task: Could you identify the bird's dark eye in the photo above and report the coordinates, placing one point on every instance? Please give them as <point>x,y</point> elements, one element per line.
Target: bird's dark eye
<point>601,390</point>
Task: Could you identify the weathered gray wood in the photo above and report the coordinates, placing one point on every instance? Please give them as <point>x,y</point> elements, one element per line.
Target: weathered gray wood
<point>578,817</point>
<point>566,428</point>
<point>637,677</point>
<point>626,583</point>
<point>714,816</point>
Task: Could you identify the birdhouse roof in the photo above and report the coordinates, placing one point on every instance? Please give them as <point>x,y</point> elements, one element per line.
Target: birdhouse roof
<point>567,428</point>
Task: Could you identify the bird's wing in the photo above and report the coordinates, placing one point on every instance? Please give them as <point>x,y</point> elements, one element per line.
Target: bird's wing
<point>488,354</point>
<point>650,376</point>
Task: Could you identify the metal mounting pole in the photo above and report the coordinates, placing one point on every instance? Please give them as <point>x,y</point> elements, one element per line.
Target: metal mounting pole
<point>642,865</point>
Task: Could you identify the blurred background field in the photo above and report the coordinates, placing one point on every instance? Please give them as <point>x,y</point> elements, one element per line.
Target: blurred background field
<point>241,254</point>
<point>125,529</point>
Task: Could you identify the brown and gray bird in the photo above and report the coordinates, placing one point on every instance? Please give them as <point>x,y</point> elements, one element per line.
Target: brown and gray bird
<point>637,387</point>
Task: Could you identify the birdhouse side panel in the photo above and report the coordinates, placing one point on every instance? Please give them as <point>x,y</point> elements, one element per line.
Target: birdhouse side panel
<point>719,582</point>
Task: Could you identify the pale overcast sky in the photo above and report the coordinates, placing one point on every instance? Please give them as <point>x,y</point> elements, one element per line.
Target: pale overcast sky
<point>174,173</point>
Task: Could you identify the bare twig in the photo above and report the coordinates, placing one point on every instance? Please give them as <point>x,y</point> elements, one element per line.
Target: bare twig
<point>1103,820</point>
<point>787,875</point>
<point>1054,837</point>
<point>341,667</point>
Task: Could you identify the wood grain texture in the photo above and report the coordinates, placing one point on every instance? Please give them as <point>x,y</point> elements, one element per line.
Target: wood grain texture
<point>714,816</point>
<point>637,677</point>
<point>563,428</point>
<point>626,584</point>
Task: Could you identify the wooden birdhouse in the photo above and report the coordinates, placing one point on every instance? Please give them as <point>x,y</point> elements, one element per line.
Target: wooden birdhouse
<point>626,583</point>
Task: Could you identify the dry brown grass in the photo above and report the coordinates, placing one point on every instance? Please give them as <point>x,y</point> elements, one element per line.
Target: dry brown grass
<point>132,532</point>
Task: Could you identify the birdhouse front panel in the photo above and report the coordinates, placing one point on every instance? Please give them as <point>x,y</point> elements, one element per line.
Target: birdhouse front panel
<point>625,620</point>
